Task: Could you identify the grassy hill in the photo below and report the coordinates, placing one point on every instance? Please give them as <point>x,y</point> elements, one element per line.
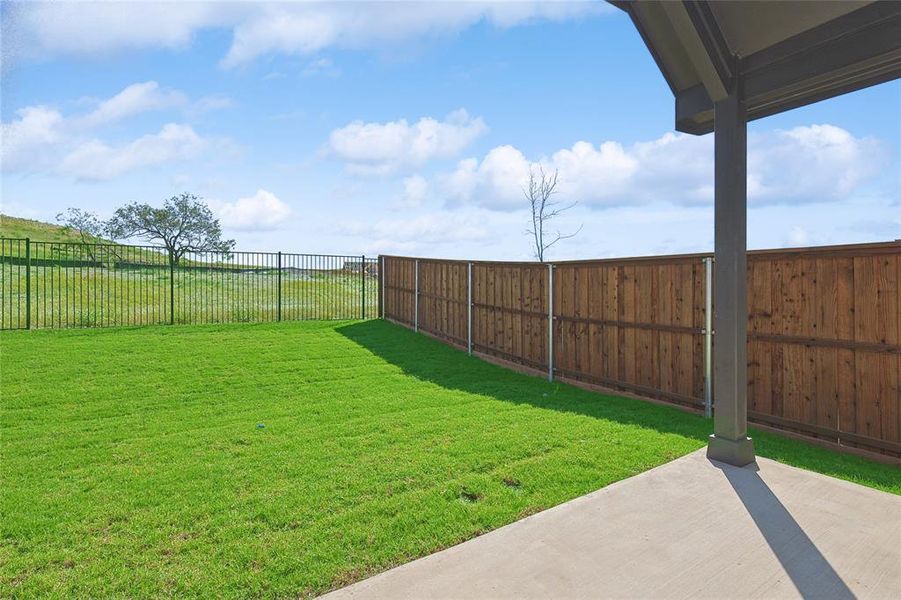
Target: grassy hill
<point>15,228</point>
<point>38,231</point>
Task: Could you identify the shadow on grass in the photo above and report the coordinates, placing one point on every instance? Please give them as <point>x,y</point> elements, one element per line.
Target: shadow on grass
<point>431,360</point>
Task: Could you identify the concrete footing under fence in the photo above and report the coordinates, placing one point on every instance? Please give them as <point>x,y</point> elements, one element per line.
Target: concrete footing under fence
<point>692,528</point>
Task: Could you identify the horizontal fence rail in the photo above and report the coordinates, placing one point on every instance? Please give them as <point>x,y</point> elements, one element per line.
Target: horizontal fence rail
<point>824,330</point>
<point>65,285</point>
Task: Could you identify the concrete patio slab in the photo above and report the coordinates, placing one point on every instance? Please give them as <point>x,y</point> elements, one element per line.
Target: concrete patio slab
<point>689,529</point>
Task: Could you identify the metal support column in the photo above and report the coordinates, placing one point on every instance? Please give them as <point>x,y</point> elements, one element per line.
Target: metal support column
<point>730,442</point>
<point>469,308</point>
<point>708,337</point>
<point>363,284</point>
<point>416,299</point>
<point>550,322</point>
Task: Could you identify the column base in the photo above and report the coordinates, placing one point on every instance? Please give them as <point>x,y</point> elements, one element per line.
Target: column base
<point>734,452</point>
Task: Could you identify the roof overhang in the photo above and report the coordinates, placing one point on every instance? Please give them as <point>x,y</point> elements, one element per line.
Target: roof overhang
<point>779,54</point>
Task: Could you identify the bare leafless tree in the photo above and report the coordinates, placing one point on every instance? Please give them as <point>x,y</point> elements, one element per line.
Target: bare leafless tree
<point>541,188</point>
<point>87,226</point>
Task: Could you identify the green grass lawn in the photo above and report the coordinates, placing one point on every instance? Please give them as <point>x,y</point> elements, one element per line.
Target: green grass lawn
<point>283,460</point>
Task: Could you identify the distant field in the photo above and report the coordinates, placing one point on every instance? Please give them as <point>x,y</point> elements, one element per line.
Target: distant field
<point>74,285</point>
<point>103,297</point>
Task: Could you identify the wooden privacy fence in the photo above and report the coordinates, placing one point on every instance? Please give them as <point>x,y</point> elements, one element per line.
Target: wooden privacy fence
<point>824,329</point>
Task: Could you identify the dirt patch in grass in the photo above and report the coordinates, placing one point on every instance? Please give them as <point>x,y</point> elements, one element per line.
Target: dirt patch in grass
<point>470,497</point>
<point>512,483</point>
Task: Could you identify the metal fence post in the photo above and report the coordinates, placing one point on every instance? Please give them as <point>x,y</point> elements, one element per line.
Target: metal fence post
<point>416,299</point>
<point>363,281</point>
<point>382,285</point>
<point>27,283</point>
<point>550,322</point>
<point>171,288</point>
<point>708,337</point>
<point>469,308</point>
<point>278,294</point>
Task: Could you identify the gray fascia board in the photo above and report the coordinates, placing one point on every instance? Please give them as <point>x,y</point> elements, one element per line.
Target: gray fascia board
<point>697,48</point>
<point>790,75</point>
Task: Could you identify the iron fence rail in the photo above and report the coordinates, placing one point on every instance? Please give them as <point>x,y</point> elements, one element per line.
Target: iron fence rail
<point>66,285</point>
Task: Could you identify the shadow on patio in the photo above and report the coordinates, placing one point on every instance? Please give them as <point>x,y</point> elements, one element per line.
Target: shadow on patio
<point>808,569</point>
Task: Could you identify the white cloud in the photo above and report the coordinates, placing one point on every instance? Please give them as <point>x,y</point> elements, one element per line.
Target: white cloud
<point>378,148</point>
<point>41,139</point>
<point>209,103</point>
<point>305,28</point>
<point>496,182</point>
<point>798,236</point>
<point>261,212</point>
<point>477,233</point>
<point>134,99</point>
<point>321,66</point>
<point>41,29</point>
<point>805,164</point>
<point>97,160</point>
<point>22,139</point>
<point>416,192</point>
<point>818,162</point>
<point>442,227</point>
<point>607,167</point>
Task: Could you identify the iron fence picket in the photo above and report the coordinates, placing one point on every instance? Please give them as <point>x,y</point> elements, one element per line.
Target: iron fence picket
<point>68,285</point>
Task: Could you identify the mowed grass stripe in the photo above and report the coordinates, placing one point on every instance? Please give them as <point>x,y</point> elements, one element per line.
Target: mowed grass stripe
<point>133,464</point>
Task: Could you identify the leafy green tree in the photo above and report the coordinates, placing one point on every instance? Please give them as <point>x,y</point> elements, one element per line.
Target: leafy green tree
<point>184,224</point>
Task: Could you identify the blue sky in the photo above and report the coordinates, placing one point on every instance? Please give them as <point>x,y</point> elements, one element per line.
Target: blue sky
<point>409,128</point>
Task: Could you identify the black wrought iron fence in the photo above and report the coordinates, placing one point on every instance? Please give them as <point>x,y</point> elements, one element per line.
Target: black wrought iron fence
<point>61,285</point>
